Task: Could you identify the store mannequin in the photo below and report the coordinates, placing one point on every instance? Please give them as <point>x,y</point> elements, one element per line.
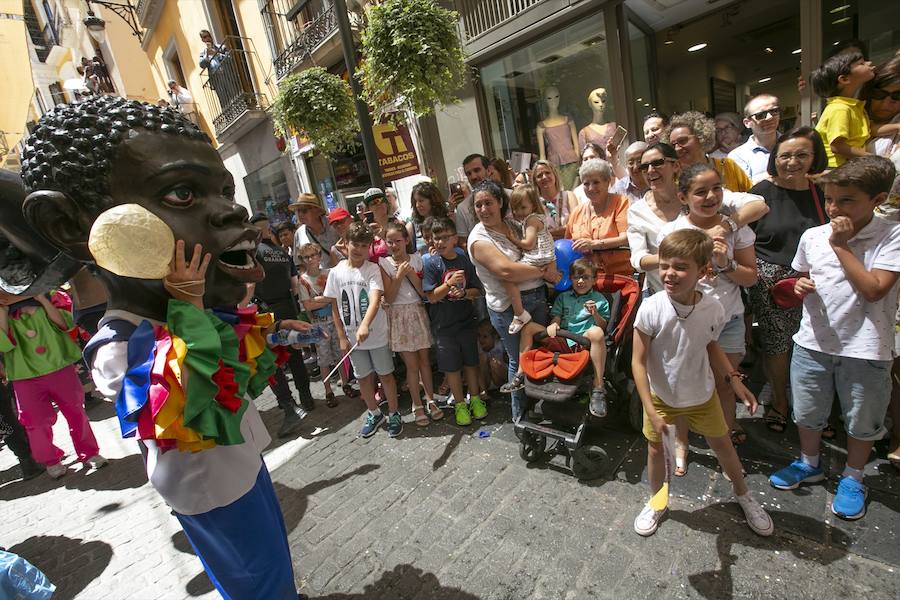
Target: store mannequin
<point>558,140</point>
<point>597,131</point>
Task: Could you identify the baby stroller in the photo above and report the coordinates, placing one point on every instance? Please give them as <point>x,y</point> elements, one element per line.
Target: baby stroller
<point>558,380</point>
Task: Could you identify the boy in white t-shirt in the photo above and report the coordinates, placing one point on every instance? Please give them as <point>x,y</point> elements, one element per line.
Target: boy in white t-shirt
<point>675,354</point>
<point>845,343</point>
<point>357,286</point>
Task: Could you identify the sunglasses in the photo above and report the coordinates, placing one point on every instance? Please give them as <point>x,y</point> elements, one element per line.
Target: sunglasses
<point>376,201</point>
<point>764,114</point>
<point>883,94</point>
<point>654,163</point>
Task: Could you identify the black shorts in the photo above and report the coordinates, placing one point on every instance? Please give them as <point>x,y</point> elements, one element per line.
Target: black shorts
<point>456,351</point>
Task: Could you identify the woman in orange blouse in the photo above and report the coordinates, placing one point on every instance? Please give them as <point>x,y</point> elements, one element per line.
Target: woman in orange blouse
<point>600,223</point>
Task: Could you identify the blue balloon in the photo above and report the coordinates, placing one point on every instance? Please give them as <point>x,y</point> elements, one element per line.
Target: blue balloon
<point>565,256</point>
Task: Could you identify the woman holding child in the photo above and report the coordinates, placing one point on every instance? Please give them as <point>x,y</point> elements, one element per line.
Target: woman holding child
<point>795,204</point>
<point>496,260</point>
<point>601,223</point>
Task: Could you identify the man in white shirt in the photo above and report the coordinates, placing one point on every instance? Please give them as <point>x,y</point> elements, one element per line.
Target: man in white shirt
<point>762,115</point>
<point>314,228</point>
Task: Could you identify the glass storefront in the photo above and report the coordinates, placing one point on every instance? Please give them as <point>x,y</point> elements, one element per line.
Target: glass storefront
<point>268,191</point>
<point>875,22</point>
<point>557,85</point>
<point>640,45</point>
<point>338,180</point>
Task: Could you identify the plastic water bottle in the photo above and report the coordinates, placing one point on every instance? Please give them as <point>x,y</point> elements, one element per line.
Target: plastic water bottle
<point>288,337</point>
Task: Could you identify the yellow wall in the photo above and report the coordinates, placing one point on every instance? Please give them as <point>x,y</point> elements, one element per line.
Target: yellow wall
<point>15,73</point>
<point>130,60</point>
<point>182,21</point>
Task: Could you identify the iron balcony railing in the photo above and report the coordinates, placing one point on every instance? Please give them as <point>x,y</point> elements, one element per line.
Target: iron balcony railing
<point>292,41</point>
<point>228,86</point>
<point>480,16</point>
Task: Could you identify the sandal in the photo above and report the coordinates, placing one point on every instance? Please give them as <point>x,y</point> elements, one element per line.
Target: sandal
<point>330,400</point>
<point>894,458</point>
<point>350,391</point>
<point>434,411</point>
<point>738,436</point>
<point>421,418</point>
<point>681,467</point>
<point>829,433</point>
<point>519,322</point>
<point>775,420</point>
<point>517,383</point>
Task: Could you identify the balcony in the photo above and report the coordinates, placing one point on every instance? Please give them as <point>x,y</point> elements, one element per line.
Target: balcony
<point>236,106</point>
<point>148,12</point>
<point>481,16</point>
<point>294,43</point>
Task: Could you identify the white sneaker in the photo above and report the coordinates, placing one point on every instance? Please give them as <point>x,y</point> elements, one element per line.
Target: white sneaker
<point>56,471</point>
<point>518,322</point>
<point>648,520</point>
<point>96,462</point>
<point>757,518</point>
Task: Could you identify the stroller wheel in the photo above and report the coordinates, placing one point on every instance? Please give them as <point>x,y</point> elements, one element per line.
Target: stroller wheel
<point>589,462</point>
<point>532,446</point>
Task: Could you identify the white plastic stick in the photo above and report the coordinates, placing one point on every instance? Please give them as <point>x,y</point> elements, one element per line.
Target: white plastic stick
<point>340,362</point>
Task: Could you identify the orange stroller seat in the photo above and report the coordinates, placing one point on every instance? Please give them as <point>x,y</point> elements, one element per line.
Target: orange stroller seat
<point>541,363</point>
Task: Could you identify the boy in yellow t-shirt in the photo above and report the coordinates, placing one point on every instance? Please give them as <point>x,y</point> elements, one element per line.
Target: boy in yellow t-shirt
<point>844,125</point>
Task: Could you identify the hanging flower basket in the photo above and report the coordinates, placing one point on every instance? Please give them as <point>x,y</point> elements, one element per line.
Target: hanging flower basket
<point>317,105</point>
<point>412,56</point>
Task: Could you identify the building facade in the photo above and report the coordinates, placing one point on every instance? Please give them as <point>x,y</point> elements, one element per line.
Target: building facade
<point>668,55</point>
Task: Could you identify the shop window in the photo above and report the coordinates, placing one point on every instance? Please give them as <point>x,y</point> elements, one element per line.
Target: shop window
<point>57,93</point>
<point>548,84</point>
<point>641,72</point>
<point>872,21</point>
<point>268,191</point>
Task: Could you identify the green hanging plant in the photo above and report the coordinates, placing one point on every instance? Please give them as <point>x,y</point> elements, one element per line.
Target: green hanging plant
<point>412,56</point>
<point>317,105</point>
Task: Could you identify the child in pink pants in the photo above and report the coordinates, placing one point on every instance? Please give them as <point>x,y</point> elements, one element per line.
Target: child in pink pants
<point>40,362</point>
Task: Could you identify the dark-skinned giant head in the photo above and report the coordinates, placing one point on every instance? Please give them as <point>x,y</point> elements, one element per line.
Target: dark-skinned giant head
<point>84,159</point>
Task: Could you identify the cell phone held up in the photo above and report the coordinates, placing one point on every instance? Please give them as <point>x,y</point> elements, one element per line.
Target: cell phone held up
<point>618,137</point>
<point>369,217</point>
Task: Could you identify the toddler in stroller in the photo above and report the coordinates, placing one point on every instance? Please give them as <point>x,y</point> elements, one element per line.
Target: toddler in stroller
<point>556,377</point>
<point>582,311</point>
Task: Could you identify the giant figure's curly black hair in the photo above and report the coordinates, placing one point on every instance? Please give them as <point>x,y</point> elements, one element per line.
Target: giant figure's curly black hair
<point>72,148</point>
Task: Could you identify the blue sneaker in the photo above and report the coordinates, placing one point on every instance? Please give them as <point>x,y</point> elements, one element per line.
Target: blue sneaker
<point>790,477</point>
<point>850,500</point>
<point>371,424</point>
<point>395,425</point>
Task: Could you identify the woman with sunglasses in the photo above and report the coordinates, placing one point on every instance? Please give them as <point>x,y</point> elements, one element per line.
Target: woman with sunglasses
<point>883,95</point>
<point>795,204</point>
<point>693,134</point>
<point>660,167</point>
<point>883,106</point>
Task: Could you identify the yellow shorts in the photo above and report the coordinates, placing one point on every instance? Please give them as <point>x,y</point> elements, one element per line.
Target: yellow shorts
<point>707,419</point>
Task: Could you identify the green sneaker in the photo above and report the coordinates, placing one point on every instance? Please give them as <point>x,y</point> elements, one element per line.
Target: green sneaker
<point>462,414</point>
<point>479,410</point>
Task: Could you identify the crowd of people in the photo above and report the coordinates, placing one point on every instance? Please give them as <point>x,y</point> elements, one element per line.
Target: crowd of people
<point>792,230</point>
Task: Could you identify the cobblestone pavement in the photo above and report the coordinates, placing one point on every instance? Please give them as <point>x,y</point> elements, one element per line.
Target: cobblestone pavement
<point>442,513</point>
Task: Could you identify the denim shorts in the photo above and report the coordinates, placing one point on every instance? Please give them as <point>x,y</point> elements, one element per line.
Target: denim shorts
<point>379,360</point>
<point>731,340</point>
<point>863,388</point>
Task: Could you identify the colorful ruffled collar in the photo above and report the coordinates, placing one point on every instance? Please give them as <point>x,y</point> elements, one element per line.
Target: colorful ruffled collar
<point>187,380</point>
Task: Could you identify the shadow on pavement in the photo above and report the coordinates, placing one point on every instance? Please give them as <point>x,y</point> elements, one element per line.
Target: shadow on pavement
<point>404,581</point>
<point>294,503</point>
<point>717,520</point>
<point>70,564</point>
<point>119,474</point>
